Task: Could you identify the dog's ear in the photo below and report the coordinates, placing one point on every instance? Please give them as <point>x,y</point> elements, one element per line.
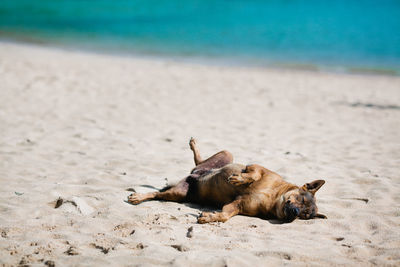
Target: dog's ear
<point>313,186</point>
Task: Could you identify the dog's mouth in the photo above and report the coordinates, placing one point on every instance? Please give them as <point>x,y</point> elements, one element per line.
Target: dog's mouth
<point>306,216</point>
<point>291,212</point>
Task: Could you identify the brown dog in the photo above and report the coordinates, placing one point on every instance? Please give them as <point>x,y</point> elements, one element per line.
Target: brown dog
<point>249,190</point>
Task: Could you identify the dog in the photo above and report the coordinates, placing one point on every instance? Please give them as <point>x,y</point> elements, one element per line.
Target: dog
<point>250,190</point>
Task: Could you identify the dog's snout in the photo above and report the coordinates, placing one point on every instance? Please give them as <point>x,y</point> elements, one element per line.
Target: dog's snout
<point>291,211</point>
<point>296,211</point>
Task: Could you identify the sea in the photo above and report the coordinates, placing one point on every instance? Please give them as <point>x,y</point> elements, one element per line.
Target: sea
<point>341,35</point>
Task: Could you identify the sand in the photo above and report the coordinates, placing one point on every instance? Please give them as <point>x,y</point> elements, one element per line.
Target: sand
<point>84,128</point>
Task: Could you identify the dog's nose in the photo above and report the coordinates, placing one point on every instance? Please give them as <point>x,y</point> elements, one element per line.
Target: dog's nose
<point>291,212</point>
<point>295,211</point>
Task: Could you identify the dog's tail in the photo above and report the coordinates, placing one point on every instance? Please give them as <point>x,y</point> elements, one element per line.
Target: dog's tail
<point>165,188</point>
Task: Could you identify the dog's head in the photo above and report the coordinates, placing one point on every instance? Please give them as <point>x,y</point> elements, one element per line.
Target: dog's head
<point>300,203</point>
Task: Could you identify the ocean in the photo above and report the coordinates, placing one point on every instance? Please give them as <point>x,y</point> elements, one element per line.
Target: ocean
<point>342,34</point>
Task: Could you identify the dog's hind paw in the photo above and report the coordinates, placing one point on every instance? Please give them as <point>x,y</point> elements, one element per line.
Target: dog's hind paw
<point>135,198</point>
<point>192,143</point>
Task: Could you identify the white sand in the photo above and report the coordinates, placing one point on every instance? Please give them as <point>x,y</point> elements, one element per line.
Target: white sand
<point>86,127</point>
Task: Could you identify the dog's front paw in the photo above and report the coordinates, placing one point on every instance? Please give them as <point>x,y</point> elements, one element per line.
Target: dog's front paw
<point>207,217</point>
<point>236,179</point>
<point>135,198</point>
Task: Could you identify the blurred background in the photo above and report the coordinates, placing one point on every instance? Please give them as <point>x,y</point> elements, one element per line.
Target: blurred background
<point>349,35</point>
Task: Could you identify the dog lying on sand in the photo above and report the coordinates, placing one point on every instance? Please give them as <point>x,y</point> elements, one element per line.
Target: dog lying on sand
<point>248,190</point>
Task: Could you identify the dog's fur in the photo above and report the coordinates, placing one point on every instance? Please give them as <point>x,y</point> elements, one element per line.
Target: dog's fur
<point>249,190</point>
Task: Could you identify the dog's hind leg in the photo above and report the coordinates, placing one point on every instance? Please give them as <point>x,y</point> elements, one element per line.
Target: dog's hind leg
<point>196,152</point>
<point>176,193</point>
<point>217,160</point>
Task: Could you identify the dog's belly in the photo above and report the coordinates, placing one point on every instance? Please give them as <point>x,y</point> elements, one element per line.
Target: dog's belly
<point>213,188</point>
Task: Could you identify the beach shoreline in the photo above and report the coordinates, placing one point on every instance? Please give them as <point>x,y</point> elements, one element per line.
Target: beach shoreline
<point>202,59</point>
<point>87,128</point>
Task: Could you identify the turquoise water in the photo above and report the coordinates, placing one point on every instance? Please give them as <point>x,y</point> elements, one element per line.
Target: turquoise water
<point>352,33</point>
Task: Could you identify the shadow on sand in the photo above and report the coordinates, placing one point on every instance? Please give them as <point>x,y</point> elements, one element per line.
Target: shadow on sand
<point>202,208</point>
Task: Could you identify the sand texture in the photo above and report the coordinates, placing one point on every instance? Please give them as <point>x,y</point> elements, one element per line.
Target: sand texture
<point>82,128</point>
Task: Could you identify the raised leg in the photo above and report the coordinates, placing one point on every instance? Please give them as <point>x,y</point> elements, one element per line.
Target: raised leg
<point>179,192</point>
<point>176,193</point>
<point>196,152</point>
<point>217,160</point>
<point>228,211</point>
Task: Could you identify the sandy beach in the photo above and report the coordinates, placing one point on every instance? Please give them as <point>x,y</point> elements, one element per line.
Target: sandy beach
<point>85,128</point>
